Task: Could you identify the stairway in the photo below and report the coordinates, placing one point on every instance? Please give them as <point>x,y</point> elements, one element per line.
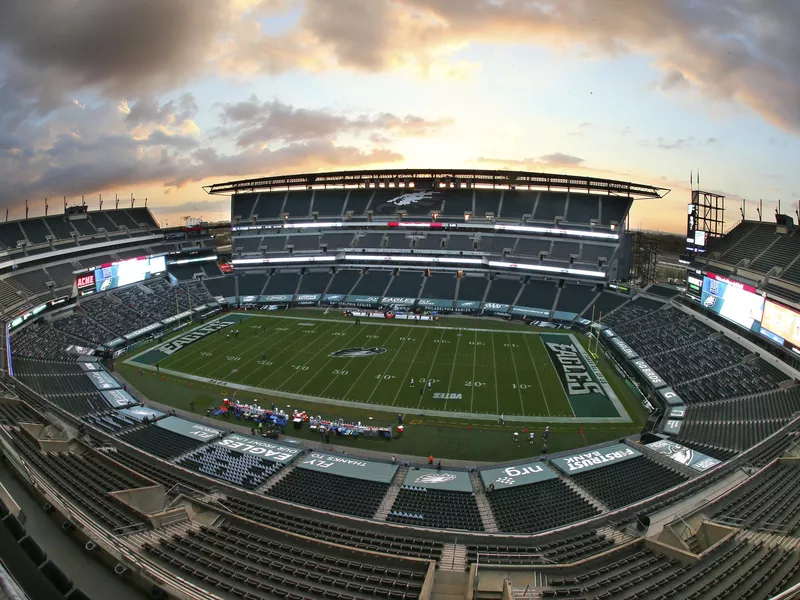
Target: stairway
<point>449,585</point>
<point>454,558</point>
<point>585,495</point>
<point>281,474</point>
<point>485,509</point>
<point>391,494</point>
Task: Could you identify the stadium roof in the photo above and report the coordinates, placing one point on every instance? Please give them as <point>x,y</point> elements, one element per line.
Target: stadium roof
<point>428,177</point>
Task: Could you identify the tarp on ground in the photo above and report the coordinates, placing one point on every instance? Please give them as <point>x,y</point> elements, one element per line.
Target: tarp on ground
<point>245,444</point>
<point>345,466</point>
<point>517,475</point>
<point>595,459</point>
<point>189,429</point>
<point>683,455</point>
<point>103,381</point>
<point>435,479</point>
<point>118,398</point>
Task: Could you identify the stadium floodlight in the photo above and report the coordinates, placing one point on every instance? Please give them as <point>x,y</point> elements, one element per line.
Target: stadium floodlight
<point>412,259</point>
<point>286,259</point>
<point>558,231</point>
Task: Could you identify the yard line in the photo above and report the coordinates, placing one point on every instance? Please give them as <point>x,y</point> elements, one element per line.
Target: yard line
<point>536,370</point>
<point>358,330</point>
<point>313,356</point>
<point>514,362</point>
<point>433,363</point>
<point>274,333</point>
<point>360,375</point>
<point>386,370</point>
<point>453,368</point>
<point>496,393</point>
<point>228,349</point>
<point>275,369</point>
<point>410,366</point>
<point>474,357</point>
<point>280,338</point>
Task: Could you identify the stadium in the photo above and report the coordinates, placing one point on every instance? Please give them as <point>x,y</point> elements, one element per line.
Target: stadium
<point>400,384</point>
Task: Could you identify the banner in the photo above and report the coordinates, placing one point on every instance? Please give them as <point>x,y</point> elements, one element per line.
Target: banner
<point>334,297</point>
<point>189,429</point>
<point>468,304</point>
<point>564,316</point>
<point>307,298</point>
<point>623,347</point>
<point>670,396</point>
<point>434,303</point>
<point>178,317</point>
<point>244,444</point>
<point>648,373</point>
<point>348,467</point>
<point>533,312</point>
<point>676,412</point>
<point>683,455</point>
<point>398,301</point>
<point>434,479</point>
<point>517,475</point>
<point>118,398</point>
<point>362,299</point>
<point>671,426</point>
<point>103,381</point>
<point>276,298</point>
<point>496,307</point>
<point>595,459</point>
<point>138,413</point>
<point>609,333</point>
<point>143,331</point>
<point>91,366</point>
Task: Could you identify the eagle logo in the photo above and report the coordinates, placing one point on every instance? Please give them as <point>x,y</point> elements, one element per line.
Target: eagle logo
<point>435,478</point>
<point>357,352</point>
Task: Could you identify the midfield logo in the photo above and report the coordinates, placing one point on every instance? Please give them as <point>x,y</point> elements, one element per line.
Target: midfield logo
<point>357,352</point>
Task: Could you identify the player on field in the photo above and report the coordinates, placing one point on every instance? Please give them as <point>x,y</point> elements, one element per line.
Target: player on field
<point>412,382</point>
<point>429,385</point>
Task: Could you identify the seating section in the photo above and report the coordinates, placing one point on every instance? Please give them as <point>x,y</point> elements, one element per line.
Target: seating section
<point>64,384</point>
<point>443,509</point>
<point>538,507</point>
<point>110,421</point>
<point>751,245</point>
<point>769,501</point>
<point>245,470</point>
<point>440,285</point>
<point>633,310</point>
<point>251,564</point>
<point>565,550</point>
<point>624,483</point>
<point>331,492</point>
<point>160,442</point>
<point>44,342</point>
<point>605,303</point>
<point>503,290</point>
<point>574,298</point>
<point>734,567</point>
<point>337,534</point>
<point>372,283</point>
<point>87,482</point>
<point>12,413</point>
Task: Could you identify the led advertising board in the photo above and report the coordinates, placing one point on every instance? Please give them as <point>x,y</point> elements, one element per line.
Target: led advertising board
<point>733,300</point>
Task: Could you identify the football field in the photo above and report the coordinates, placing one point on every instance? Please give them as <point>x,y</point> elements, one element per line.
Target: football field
<point>420,367</point>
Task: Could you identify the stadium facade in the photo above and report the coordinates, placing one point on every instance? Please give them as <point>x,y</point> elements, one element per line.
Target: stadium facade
<point>704,501</point>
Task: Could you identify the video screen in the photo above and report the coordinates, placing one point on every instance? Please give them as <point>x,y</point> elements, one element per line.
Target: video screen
<point>127,272</point>
<point>732,300</point>
<point>780,324</point>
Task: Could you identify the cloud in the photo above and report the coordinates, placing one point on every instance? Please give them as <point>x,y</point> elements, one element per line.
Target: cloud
<point>560,159</point>
<point>681,143</point>
<point>86,149</point>
<point>253,122</point>
<point>556,159</point>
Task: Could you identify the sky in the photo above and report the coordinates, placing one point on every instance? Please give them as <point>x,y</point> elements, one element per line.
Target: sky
<point>156,99</point>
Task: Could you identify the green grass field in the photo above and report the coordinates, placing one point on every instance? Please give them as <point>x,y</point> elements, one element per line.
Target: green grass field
<point>434,430</point>
<point>471,370</point>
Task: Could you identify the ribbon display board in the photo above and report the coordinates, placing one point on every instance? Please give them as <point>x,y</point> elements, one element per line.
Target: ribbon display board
<point>623,347</point>
<point>345,466</point>
<point>189,429</point>
<point>683,455</point>
<point>595,459</point>
<point>647,372</point>
<point>517,475</point>
<point>435,479</point>
<point>245,444</point>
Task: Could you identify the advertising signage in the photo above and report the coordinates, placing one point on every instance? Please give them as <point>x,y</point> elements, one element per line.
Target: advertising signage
<point>781,325</point>
<point>623,347</point>
<point>683,455</point>
<point>595,459</point>
<point>357,468</point>
<point>434,479</point>
<point>648,373</point>
<point>244,444</point>
<point>735,301</point>
<point>517,475</point>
